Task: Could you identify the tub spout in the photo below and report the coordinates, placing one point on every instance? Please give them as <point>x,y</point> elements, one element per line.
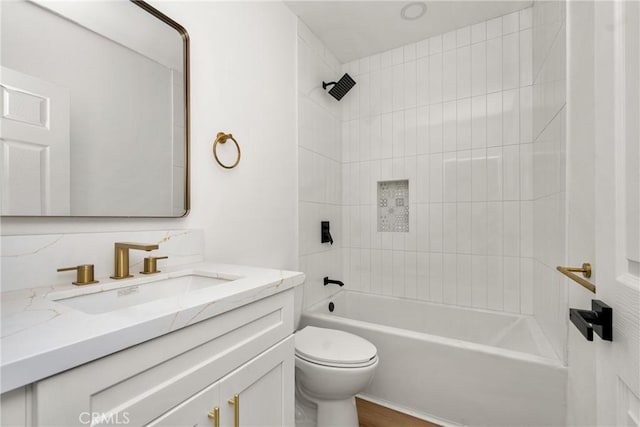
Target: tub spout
<point>335,282</point>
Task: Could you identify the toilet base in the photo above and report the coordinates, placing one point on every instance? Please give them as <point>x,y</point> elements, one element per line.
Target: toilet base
<point>338,413</point>
<point>328,413</point>
<point>306,413</point>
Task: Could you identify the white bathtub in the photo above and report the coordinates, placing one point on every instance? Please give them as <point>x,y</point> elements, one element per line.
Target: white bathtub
<point>453,365</point>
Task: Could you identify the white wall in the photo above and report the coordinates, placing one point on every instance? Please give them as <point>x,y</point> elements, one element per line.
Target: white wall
<point>549,170</point>
<point>242,82</point>
<point>137,29</point>
<point>320,172</point>
<point>452,114</point>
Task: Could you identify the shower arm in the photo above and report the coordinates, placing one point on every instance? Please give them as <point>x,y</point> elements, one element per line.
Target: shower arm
<point>324,85</point>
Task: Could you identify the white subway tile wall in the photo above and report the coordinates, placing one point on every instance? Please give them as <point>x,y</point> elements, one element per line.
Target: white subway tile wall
<point>547,160</point>
<point>320,152</point>
<point>454,115</point>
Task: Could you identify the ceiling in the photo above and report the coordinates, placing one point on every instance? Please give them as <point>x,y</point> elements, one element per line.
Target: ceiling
<point>355,29</point>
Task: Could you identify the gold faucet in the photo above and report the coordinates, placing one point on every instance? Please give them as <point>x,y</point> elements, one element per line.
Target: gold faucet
<point>121,259</point>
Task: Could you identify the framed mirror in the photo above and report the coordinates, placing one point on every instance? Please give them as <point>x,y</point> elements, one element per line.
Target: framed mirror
<point>95,110</point>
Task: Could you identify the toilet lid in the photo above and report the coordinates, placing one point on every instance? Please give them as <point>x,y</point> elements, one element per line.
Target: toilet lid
<point>333,347</point>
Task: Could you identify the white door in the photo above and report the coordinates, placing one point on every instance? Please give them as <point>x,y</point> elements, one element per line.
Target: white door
<point>34,151</point>
<point>617,202</point>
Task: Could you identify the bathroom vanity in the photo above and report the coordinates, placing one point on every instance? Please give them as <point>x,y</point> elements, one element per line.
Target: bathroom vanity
<point>218,354</point>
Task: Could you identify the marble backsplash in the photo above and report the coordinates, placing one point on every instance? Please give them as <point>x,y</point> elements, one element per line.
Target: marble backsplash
<point>32,260</point>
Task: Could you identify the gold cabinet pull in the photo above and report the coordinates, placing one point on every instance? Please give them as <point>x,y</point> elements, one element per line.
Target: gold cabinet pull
<point>214,416</point>
<point>235,401</point>
<point>84,275</point>
<point>586,272</point>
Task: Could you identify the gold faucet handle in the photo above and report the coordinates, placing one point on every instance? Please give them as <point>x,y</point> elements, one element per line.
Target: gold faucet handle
<point>84,276</point>
<point>151,265</point>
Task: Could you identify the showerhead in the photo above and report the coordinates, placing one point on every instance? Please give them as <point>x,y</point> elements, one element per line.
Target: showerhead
<point>341,87</point>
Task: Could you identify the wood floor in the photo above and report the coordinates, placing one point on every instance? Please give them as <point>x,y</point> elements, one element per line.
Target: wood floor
<point>372,415</point>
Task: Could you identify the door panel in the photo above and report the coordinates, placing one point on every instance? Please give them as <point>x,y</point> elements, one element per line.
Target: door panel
<point>26,182</point>
<point>631,14</point>
<point>34,146</point>
<point>617,200</point>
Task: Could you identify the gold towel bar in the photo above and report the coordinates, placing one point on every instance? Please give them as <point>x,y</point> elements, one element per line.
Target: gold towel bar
<point>586,272</point>
<point>221,138</point>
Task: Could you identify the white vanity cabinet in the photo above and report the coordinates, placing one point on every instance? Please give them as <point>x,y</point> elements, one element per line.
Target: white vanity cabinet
<point>260,389</point>
<point>178,378</point>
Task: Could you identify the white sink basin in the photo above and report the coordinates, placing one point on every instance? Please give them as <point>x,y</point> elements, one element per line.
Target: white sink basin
<point>116,299</point>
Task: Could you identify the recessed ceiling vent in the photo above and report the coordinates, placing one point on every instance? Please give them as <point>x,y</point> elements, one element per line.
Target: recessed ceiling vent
<point>414,10</point>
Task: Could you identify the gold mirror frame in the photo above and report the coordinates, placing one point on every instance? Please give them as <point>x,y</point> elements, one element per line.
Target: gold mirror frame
<point>187,97</point>
<point>187,120</point>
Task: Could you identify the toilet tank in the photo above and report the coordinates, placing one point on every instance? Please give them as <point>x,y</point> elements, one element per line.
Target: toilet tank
<point>298,301</point>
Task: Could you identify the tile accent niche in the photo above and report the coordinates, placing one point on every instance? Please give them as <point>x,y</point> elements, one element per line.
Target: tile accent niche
<point>393,206</point>
<point>451,114</point>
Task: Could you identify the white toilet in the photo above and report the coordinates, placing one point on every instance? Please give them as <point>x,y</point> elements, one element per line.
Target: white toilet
<point>332,366</point>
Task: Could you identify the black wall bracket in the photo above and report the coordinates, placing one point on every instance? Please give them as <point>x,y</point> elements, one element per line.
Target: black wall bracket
<point>599,319</point>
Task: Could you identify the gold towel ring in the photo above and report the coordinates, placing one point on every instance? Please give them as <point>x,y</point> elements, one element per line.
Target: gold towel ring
<point>221,138</point>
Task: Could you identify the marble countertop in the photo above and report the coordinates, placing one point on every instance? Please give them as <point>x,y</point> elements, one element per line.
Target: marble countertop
<point>41,337</point>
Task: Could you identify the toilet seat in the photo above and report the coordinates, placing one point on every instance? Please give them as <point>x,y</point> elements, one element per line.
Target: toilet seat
<point>334,348</point>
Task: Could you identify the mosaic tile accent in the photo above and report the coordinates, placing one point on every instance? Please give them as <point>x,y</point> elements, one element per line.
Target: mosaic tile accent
<point>393,206</point>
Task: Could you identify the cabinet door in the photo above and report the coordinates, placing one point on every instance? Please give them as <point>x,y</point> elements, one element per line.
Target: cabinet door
<point>264,389</point>
<point>199,411</point>
<point>15,408</point>
<point>265,395</point>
